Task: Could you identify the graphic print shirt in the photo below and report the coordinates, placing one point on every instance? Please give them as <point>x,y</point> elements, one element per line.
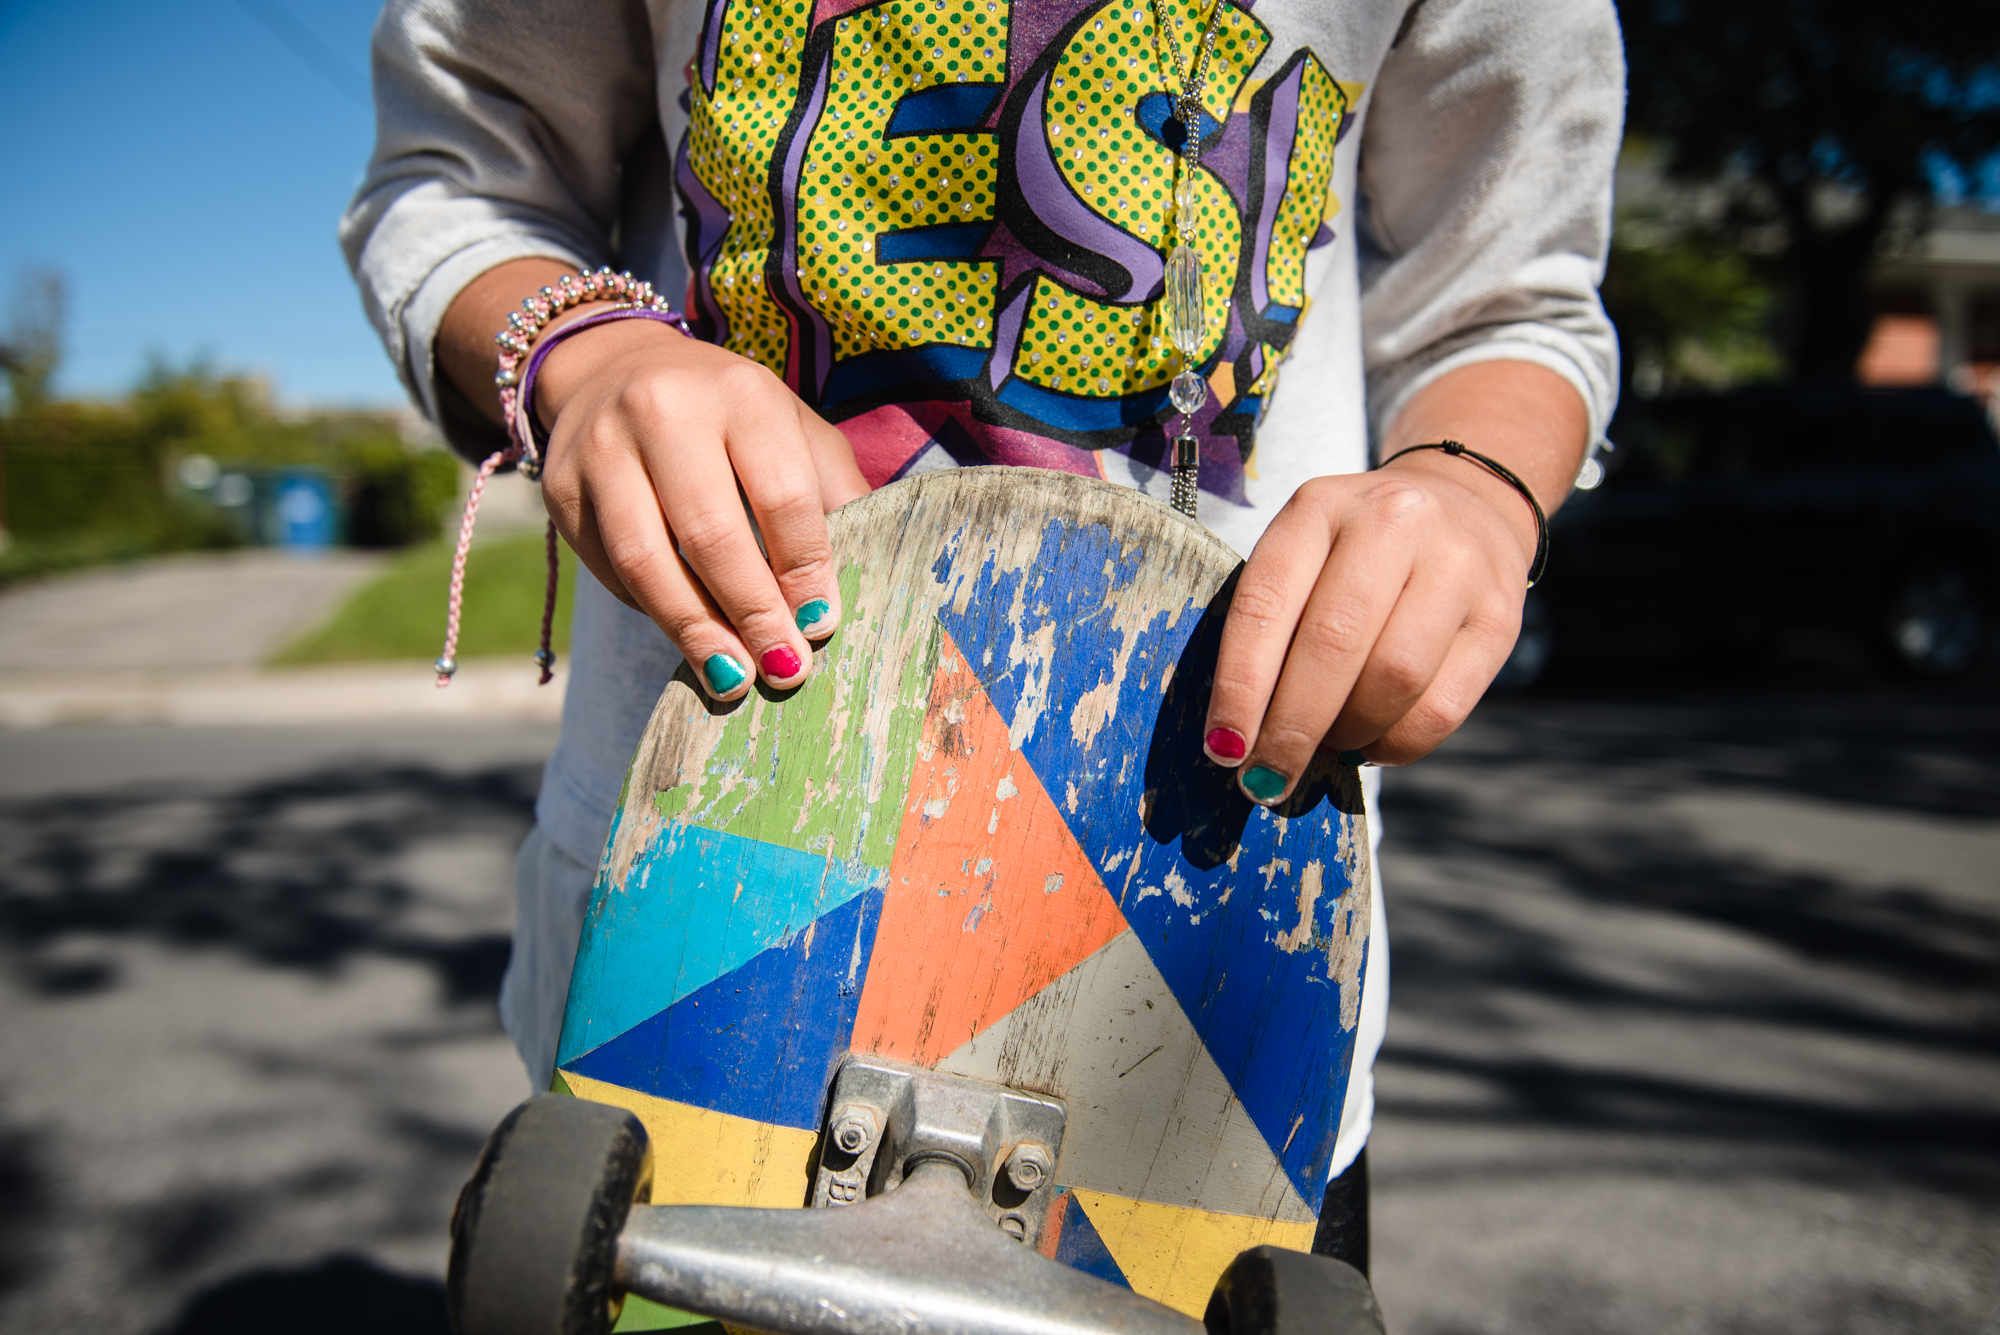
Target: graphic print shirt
<point>945,224</point>
<point>966,256</point>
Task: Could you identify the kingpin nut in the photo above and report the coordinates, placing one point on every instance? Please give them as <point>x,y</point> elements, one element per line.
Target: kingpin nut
<point>1029,1165</point>
<point>854,1127</point>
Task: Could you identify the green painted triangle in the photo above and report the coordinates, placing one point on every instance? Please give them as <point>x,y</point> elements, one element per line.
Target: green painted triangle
<point>643,1314</point>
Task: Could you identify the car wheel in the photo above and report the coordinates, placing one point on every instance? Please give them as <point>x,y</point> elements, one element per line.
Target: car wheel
<point>1937,623</point>
<point>535,1234</point>
<point>1533,648</point>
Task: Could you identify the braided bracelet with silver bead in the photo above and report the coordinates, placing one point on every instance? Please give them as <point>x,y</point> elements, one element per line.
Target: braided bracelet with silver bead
<point>520,355</point>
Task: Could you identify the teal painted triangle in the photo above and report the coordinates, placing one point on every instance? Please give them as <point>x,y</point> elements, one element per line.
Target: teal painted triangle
<point>695,905</point>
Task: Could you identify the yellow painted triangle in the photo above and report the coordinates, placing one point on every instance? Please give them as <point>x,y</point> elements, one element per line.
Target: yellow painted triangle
<point>703,1157</point>
<point>1173,1254</point>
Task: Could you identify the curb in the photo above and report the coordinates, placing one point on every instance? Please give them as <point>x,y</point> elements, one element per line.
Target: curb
<point>488,689</point>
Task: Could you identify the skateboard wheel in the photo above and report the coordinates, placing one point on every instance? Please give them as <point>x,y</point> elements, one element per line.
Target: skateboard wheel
<point>1273,1291</point>
<point>535,1234</point>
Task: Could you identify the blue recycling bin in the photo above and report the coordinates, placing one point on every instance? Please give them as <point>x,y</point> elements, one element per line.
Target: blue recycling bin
<point>302,509</point>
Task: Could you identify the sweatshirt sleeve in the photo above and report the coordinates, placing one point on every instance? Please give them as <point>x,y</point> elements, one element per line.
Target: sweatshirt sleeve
<point>500,130</point>
<point>1486,168</point>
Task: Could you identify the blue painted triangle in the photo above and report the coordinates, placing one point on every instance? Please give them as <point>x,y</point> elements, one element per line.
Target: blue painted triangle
<point>695,905</point>
<point>1078,1245</point>
<point>762,1040</point>
<point>1210,883</point>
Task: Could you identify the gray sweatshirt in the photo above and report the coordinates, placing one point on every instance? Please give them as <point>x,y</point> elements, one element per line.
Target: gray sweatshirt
<point>946,224</point>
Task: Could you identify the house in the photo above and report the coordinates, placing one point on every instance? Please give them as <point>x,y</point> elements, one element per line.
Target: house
<point>1937,308</point>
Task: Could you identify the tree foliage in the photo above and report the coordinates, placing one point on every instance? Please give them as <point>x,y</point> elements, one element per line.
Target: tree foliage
<point>33,348</point>
<point>1691,314</point>
<point>83,481</point>
<point>1828,116</point>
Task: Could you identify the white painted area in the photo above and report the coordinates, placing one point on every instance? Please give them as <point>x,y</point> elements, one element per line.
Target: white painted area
<point>1150,1115</point>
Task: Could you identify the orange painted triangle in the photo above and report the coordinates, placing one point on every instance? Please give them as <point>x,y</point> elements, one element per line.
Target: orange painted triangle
<point>989,898</point>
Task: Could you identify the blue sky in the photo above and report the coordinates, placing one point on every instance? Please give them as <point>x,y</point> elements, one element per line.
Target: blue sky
<point>184,165</point>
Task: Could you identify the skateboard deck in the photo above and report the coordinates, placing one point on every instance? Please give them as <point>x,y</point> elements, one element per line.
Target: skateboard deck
<point>982,838</point>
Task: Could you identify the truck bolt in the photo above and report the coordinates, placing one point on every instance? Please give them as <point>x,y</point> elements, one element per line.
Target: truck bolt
<point>1028,1166</point>
<point>854,1128</point>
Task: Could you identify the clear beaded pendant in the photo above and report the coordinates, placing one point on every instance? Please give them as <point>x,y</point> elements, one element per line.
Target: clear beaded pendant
<point>1185,216</point>
<point>1189,392</point>
<point>1187,321</point>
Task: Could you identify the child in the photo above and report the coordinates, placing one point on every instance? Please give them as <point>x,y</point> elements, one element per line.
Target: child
<point>1107,236</point>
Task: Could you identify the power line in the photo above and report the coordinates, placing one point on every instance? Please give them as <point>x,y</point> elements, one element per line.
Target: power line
<point>322,59</point>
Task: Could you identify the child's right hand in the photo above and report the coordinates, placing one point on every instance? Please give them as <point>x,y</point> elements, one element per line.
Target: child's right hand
<point>656,442</point>
<point>652,434</point>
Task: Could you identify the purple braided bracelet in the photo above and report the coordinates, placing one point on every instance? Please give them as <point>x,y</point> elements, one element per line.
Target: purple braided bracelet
<point>522,425</point>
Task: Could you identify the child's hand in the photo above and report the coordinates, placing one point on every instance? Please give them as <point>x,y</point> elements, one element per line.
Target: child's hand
<point>651,436</point>
<point>657,440</point>
<point>1378,606</point>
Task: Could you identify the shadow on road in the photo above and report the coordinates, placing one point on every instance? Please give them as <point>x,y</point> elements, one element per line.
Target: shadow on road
<point>249,977</point>
<point>1696,1015</point>
<point>301,872</point>
<point>342,1295</point>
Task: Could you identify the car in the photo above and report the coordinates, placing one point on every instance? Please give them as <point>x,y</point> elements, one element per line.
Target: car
<point>1726,524</point>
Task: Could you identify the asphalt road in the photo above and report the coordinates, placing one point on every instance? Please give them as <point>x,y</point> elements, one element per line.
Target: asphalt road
<point>250,1047</point>
<point>1696,1021</point>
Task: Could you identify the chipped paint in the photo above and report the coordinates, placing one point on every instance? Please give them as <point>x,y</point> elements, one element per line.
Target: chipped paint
<point>1306,932</point>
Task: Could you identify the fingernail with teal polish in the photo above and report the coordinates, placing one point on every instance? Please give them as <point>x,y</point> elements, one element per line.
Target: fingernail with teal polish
<point>724,673</point>
<point>1353,758</point>
<point>812,613</point>
<point>1266,785</point>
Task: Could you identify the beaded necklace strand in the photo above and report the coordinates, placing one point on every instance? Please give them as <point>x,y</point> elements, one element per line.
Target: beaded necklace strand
<point>1187,318</point>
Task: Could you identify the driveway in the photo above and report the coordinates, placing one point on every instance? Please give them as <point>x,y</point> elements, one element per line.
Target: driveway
<point>209,610</point>
<point>182,640</point>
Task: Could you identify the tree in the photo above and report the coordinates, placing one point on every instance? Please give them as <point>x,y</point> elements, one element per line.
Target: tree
<point>1825,117</point>
<point>35,337</point>
<point>1691,314</point>
<point>30,355</point>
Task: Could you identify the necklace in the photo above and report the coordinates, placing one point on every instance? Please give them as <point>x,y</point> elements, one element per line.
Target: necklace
<point>1187,318</point>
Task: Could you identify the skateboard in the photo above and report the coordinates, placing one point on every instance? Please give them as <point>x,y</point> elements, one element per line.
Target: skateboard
<point>972,893</point>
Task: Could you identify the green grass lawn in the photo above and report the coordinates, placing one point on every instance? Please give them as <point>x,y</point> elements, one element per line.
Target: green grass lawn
<point>401,613</point>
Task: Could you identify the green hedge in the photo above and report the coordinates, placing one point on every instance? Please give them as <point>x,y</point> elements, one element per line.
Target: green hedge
<point>82,482</point>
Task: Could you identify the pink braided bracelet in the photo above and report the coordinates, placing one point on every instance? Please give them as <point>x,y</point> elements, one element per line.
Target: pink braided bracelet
<point>522,339</point>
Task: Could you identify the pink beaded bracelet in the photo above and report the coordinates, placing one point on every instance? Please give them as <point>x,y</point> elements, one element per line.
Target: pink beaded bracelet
<point>525,326</point>
<point>522,338</point>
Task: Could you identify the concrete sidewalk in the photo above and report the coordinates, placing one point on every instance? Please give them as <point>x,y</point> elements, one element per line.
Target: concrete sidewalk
<point>181,640</point>
<point>348,692</point>
<point>206,610</point>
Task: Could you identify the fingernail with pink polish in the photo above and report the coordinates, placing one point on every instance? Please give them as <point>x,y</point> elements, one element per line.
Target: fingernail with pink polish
<point>781,663</point>
<point>1226,744</point>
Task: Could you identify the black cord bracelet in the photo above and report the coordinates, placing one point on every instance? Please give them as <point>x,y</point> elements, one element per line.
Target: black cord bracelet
<point>1512,479</point>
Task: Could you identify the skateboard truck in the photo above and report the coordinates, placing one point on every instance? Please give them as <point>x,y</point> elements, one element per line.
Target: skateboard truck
<point>889,1118</point>
<point>927,1188</point>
